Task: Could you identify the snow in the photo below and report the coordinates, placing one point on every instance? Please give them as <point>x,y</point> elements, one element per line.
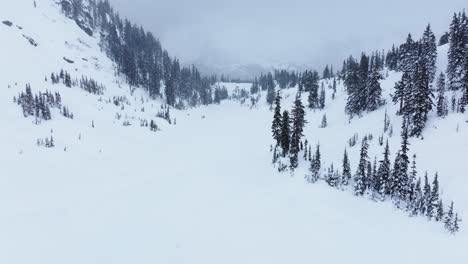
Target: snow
<point>201,191</point>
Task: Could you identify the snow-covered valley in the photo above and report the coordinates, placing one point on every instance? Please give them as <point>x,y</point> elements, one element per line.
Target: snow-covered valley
<point>202,190</point>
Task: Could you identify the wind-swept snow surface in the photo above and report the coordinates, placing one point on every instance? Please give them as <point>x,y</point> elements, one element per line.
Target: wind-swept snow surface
<point>200,191</point>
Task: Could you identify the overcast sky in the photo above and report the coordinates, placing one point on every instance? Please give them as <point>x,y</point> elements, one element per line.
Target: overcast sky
<point>288,31</point>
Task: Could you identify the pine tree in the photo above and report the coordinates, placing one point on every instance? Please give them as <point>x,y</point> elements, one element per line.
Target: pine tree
<point>315,166</point>
<point>418,201</point>
<point>346,175</point>
<point>360,176</point>
<point>399,185</point>
<point>457,51</point>
<point>434,198</point>
<point>429,52</point>
<point>408,54</point>
<point>374,98</point>
<point>464,100</point>
<point>449,219</point>
<point>411,195</point>
<point>427,208</point>
<point>383,173</point>
<point>403,89</point>
<point>322,99</point>
<point>442,107</point>
<point>276,125</point>
<point>324,123</point>
<point>298,120</point>
<point>440,211</point>
<point>270,97</point>
<point>421,100</point>
<point>455,227</point>
<point>285,133</point>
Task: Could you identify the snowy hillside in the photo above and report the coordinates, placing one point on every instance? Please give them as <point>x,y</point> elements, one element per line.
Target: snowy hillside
<point>201,189</point>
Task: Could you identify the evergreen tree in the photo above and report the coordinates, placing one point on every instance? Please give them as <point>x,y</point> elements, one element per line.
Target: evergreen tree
<point>399,184</point>
<point>374,90</point>
<point>421,100</point>
<point>408,55</point>
<point>346,175</point>
<point>322,99</point>
<point>298,120</point>
<point>353,83</point>
<point>315,166</point>
<point>285,133</point>
<point>429,52</point>
<point>360,176</point>
<point>449,219</point>
<point>434,198</point>
<point>383,173</point>
<point>427,208</point>
<point>324,121</point>
<point>402,94</point>
<point>464,99</point>
<point>457,51</point>
<point>276,125</point>
<point>442,107</point>
<point>440,211</point>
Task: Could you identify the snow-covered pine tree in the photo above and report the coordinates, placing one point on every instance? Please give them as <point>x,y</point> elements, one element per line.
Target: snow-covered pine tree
<point>298,122</point>
<point>442,105</point>
<point>361,173</point>
<point>408,55</point>
<point>315,166</point>
<point>427,208</point>
<point>457,51</point>
<point>276,124</point>
<point>410,196</point>
<point>420,100</point>
<point>285,133</point>
<point>374,91</point>
<point>322,98</point>
<point>346,175</point>
<point>418,201</point>
<point>399,184</point>
<point>464,99</point>
<point>352,82</point>
<point>429,52</point>
<point>403,89</point>
<point>449,219</point>
<point>324,122</point>
<point>270,97</point>
<point>383,173</point>
<point>434,198</point>
<point>440,211</point>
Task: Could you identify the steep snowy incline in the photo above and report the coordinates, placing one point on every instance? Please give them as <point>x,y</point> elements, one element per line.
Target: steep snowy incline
<point>209,197</point>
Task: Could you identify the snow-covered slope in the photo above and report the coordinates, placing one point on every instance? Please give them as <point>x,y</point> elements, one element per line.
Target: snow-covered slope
<point>200,191</point>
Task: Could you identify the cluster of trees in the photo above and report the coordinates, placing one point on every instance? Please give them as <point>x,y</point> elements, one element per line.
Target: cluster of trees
<point>417,61</point>
<point>165,114</point>
<point>46,142</point>
<point>39,105</point>
<point>140,57</point>
<point>85,83</point>
<point>220,94</point>
<point>362,82</point>
<point>379,180</point>
<point>401,183</point>
<point>328,72</point>
<point>457,68</point>
<point>287,129</point>
<point>286,79</point>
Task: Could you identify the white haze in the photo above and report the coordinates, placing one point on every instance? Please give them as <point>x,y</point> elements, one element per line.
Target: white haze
<point>225,32</point>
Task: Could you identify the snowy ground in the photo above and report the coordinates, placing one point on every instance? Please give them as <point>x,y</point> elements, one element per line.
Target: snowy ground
<point>201,191</point>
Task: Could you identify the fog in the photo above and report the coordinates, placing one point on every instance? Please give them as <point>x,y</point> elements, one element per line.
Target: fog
<point>224,32</point>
